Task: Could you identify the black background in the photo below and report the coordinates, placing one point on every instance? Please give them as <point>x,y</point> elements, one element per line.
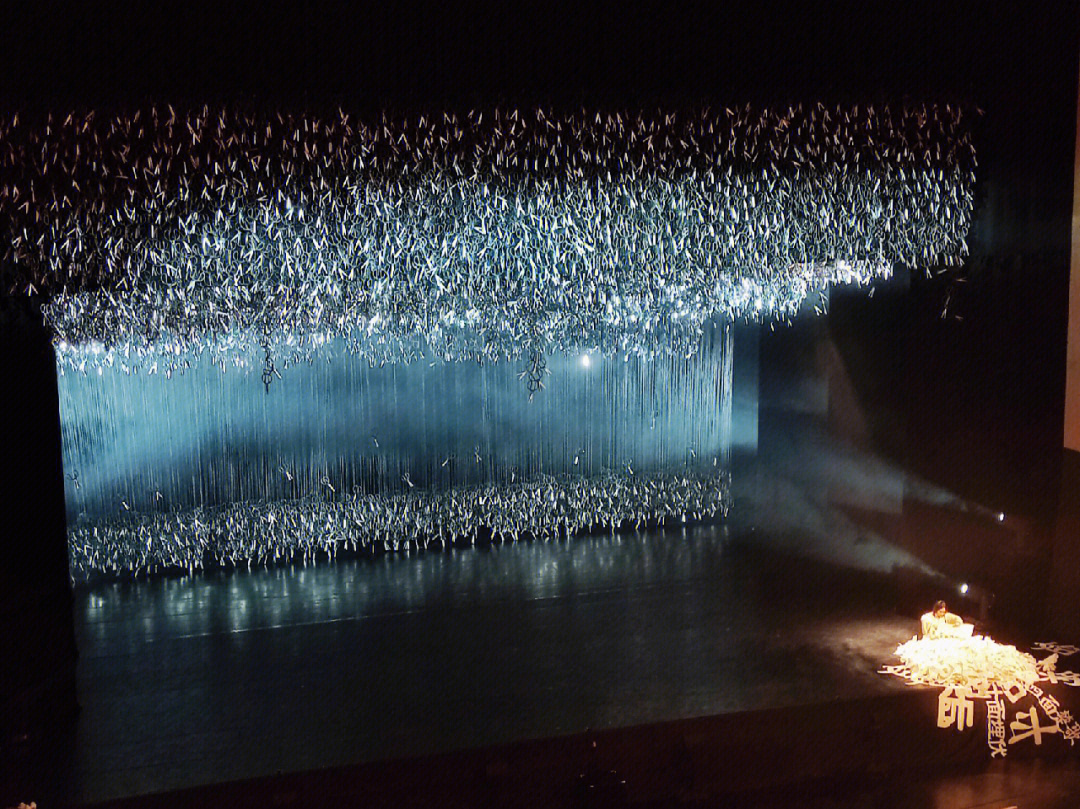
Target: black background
<point>425,53</point>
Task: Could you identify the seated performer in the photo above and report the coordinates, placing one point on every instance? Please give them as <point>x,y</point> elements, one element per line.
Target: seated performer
<point>940,623</point>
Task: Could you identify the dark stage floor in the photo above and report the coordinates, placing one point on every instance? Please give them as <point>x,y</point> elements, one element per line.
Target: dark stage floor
<point>235,675</point>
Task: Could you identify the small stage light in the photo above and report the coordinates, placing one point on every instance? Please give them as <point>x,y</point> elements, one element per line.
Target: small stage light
<point>1001,517</point>
<point>963,589</point>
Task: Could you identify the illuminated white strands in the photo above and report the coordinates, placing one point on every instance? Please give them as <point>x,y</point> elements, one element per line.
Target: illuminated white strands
<point>154,463</point>
<point>550,507</point>
<point>515,321</point>
<point>164,232</point>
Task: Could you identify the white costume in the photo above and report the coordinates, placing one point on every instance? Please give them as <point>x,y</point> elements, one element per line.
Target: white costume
<point>948,626</point>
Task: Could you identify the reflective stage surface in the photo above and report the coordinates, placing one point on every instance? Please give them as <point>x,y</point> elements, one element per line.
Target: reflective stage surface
<point>224,676</point>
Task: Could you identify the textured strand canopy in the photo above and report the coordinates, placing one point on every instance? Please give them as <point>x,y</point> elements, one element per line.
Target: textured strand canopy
<point>166,232</point>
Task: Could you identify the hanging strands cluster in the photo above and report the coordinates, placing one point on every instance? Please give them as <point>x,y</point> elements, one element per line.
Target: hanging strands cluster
<point>162,233</point>
<point>208,438</point>
<point>264,533</point>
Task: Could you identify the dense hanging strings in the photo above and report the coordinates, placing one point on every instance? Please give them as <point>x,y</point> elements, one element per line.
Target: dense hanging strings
<point>150,461</point>
<point>141,443</point>
<point>165,232</point>
<point>237,534</point>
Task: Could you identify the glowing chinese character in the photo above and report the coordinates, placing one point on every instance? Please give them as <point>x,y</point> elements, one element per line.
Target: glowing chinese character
<point>1058,648</point>
<point>899,670</point>
<point>1046,701</point>
<point>1068,677</point>
<point>1047,667</point>
<point>1031,728</point>
<point>955,707</point>
<point>1014,691</point>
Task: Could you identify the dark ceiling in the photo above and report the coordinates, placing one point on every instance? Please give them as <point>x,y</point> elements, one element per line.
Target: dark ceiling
<point>618,53</point>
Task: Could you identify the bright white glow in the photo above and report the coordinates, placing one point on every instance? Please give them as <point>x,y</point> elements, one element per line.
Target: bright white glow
<point>1001,517</point>
<point>963,589</point>
<point>585,361</point>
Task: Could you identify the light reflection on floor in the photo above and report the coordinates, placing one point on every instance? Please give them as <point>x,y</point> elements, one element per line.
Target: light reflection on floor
<point>359,588</point>
<point>377,658</point>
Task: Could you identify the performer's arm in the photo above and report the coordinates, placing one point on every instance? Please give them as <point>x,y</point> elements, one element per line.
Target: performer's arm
<point>927,622</point>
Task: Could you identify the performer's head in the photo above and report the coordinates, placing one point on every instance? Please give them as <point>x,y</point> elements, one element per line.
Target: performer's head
<point>940,608</point>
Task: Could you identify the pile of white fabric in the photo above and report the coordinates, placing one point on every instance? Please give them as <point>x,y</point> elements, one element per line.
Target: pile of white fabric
<point>966,661</point>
